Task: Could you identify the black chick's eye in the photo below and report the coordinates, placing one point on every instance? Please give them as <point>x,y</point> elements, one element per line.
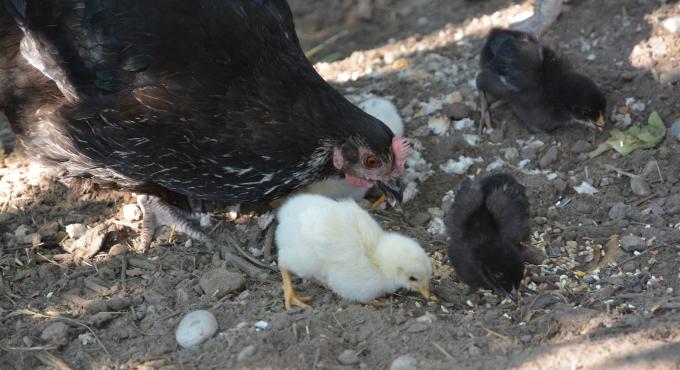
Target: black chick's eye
<point>372,161</point>
<point>412,278</point>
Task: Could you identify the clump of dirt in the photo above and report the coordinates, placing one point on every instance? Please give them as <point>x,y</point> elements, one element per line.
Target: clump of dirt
<point>606,296</point>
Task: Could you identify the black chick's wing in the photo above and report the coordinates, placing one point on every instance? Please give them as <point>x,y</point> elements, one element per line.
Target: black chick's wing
<point>511,62</point>
<point>468,226</point>
<point>174,93</point>
<point>507,202</point>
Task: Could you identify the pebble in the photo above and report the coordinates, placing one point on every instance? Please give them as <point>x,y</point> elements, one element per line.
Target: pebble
<point>218,282</point>
<point>581,146</point>
<point>246,352</point>
<point>404,363</point>
<point>436,226</point>
<point>510,154</point>
<point>631,243</point>
<point>86,339</point>
<point>348,357</point>
<point>195,328</point>
<point>262,325</point>
<point>549,157</point>
<point>458,111</point>
<point>131,212</point>
<point>417,327</point>
<point>420,218</point>
<point>119,303</point>
<point>639,186</point>
<point>629,267</point>
<point>675,129</point>
<point>117,249</point>
<point>55,332</point>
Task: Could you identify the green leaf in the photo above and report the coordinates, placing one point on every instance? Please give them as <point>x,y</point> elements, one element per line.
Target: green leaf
<point>20,274</point>
<point>626,142</point>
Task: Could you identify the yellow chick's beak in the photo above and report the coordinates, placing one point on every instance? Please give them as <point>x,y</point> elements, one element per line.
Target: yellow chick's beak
<point>425,291</point>
<point>600,120</point>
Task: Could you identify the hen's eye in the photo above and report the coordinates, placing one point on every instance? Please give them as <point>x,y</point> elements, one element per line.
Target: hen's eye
<point>372,161</point>
<point>412,278</point>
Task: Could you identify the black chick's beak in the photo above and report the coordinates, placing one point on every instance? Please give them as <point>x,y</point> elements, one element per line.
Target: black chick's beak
<point>392,191</point>
<point>513,294</point>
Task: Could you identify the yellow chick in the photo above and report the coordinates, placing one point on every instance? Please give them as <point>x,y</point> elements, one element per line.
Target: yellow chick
<point>339,244</point>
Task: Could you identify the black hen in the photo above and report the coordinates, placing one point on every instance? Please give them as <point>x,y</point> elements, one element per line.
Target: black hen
<point>544,91</point>
<point>486,223</point>
<point>211,99</point>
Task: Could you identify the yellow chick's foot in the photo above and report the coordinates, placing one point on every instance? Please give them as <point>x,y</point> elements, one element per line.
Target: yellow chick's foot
<point>290,298</point>
<point>378,203</point>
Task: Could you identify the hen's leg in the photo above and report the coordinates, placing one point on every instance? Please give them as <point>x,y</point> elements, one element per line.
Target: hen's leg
<point>157,213</point>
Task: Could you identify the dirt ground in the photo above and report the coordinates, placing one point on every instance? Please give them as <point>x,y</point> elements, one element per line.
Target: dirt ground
<point>607,297</point>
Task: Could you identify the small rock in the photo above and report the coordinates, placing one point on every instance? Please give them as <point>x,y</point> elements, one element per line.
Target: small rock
<point>417,327</point>
<point>195,328</point>
<point>118,249</point>
<point>559,185</point>
<point>419,219</point>
<point>436,226</point>
<point>218,282</point>
<point>604,293</point>
<point>631,243</point>
<point>75,231</point>
<point>86,339</point>
<point>55,333</point>
<point>118,303</point>
<point>675,129</point>
<point>348,357</point>
<point>100,318</point>
<point>549,157</point>
<point>245,353</point>
<point>458,111</point>
<point>262,325</point>
<point>404,363</point>
<point>131,212</point>
<point>581,146</point>
<point>438,125</point>
<point>639,186</point>
<point>510,154</point>
<point>629,267</point>
<point>619,211</point>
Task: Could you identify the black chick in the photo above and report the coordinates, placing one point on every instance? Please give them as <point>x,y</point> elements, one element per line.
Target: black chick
<point>543,90</point>
<point>211,100</point>
<point>486,223</point>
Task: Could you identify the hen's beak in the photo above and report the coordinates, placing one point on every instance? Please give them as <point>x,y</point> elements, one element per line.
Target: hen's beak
<point>600,120</point>
<point>513,294</point>
<point>425,291</point>
<point>392,191</point>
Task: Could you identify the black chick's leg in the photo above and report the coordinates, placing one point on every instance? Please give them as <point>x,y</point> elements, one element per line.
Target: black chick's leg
<point>157,213</point>
<point>485,109</point>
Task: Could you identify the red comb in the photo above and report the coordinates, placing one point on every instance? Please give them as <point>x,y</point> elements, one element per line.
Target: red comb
<point>400,149</point>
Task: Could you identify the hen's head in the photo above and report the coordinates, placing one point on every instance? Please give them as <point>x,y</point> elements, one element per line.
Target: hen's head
<point>372,155</point>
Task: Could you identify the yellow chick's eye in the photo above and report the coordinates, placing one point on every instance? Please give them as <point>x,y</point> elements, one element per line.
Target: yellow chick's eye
<point>372,161</point>
<point>412,278</point>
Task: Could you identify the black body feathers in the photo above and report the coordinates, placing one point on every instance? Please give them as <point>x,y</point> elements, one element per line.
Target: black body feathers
<point>542,88</point>
<point>487,221</point>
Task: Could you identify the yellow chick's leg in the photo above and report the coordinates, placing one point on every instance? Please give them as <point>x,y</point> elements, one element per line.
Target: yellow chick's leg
<point>375,303</point>
<point>379,202</point>
<point>290,298</point>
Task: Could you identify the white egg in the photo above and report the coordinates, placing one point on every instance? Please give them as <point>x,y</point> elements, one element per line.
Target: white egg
<point>195,328</point>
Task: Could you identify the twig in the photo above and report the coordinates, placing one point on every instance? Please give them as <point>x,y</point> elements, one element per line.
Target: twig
<point>495,333</point>
<point>38,348</point>
<point>441,349</point>
<point>48,316</point>
<point>639,202</point>
<point>123,270</point>
<point>51,360</point>
<point>315,50</point>
<point>268,243</point>
<point>641,253</point>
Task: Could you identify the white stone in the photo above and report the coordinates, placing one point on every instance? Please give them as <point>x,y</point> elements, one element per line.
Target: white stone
<point>75,231</point>
<point>195,328</point>
<point>131,212</point>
